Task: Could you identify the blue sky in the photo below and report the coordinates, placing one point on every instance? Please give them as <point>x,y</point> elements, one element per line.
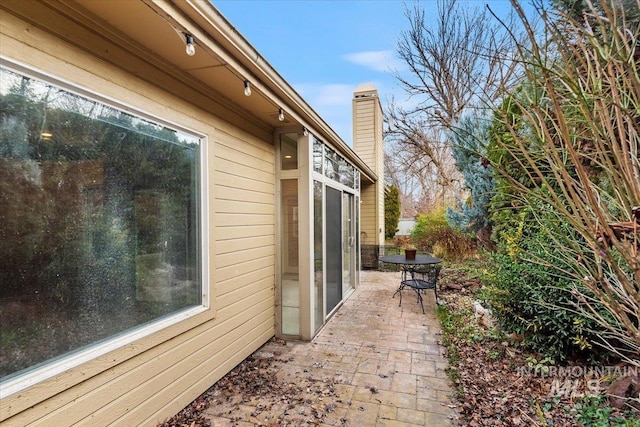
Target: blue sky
<point>326,48</point>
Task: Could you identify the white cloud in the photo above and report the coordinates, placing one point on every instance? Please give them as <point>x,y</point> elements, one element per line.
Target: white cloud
<point>378,60</point>
<point>326,94</point>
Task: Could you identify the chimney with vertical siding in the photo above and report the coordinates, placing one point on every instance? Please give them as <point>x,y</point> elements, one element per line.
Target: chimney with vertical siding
<point>368,145</point>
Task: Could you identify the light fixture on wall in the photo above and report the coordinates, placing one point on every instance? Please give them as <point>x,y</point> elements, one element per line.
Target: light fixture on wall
<point>305,131</point>
<point>247,88</point>
<point>191,45</point>
<point>281,115</point>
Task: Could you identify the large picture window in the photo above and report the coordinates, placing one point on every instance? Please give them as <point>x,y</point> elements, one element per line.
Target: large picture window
<point>99,222</point>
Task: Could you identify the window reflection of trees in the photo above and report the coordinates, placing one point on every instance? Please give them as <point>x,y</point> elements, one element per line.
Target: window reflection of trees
<point>337,167</point>
<point>317,155</point>
<point>99,227</point>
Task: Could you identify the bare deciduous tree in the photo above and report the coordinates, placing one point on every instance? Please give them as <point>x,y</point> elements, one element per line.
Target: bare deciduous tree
<point>424,181</point>
<point>462,62</point>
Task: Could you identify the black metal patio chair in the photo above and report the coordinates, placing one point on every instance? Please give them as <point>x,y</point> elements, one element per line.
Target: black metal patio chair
<point>429,280</point>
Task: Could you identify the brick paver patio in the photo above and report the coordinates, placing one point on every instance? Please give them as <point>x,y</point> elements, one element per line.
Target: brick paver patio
<point>383,361</point>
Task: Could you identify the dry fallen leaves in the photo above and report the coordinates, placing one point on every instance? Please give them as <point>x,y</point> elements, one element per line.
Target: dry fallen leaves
<point>492,388</point>
<point>273,402</point>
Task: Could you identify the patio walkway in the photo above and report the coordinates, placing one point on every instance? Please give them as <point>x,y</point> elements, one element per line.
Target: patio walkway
<point>381,362</point>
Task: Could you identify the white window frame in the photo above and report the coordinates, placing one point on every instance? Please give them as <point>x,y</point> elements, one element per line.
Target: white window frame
<point>77,358</point>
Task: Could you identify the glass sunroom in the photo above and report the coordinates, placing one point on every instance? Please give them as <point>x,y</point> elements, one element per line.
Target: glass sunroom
<point>319,199</point>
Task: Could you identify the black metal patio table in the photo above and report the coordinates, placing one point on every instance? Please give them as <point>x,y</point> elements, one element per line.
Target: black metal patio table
<point>422,264</point>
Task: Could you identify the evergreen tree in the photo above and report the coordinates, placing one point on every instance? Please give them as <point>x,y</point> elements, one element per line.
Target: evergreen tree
<point>391,211</point>
<point>469,150</point>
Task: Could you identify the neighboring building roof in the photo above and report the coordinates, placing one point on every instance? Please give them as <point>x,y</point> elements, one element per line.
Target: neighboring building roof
<point>405,225</point>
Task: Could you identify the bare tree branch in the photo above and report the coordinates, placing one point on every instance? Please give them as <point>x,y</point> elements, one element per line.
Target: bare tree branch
<point>464,61</point>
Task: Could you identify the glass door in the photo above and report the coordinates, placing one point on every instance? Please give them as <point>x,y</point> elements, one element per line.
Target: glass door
<point>318,256</point>
<point>333,249</point>
<point>348,244</point>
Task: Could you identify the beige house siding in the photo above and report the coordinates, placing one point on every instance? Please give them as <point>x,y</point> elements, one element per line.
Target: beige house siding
<point>363,114</point>
<point>368,216</point>
<point>380,171</point>
<point>154,377</point>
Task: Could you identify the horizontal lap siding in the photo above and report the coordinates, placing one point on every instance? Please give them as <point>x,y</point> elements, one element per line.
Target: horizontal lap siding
<point>244,256</point>
<point>153,378</point>
<point>364,138</point>
<point>231,272</point>
<point>245,218</point>
<point>368,215</point>
<point>366,149</point>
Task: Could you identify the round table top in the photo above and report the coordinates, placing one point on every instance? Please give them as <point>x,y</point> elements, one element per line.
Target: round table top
<point>420,259</point>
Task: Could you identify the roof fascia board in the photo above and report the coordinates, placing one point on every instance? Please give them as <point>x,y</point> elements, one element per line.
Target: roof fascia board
<point>247,62</point>
<point>119,42</point>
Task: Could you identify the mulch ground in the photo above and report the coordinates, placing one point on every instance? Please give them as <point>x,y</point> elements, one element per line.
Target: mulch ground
<point>500,383</point>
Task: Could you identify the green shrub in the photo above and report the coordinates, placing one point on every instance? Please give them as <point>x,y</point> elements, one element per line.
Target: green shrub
<point>531,299</point>
<point>595,412</point>
<point>432,233</point>
<point>566,137</point>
